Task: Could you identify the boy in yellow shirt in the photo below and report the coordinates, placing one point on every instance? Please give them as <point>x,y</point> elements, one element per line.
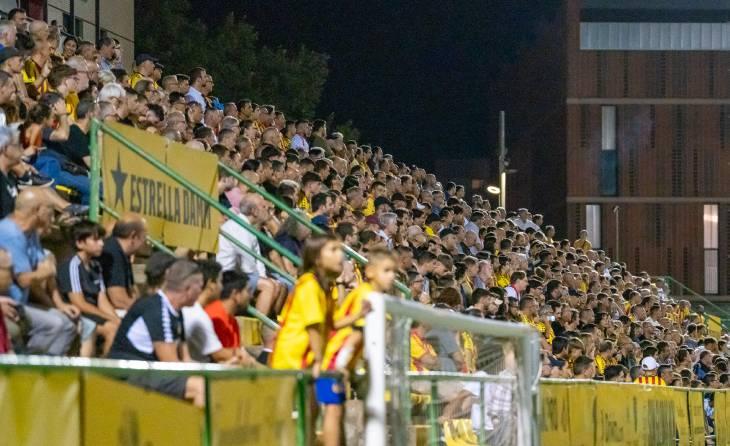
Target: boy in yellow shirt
<point>346,341</point>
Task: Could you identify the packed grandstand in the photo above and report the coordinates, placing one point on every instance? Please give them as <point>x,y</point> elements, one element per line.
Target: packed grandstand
<point>596,320</point>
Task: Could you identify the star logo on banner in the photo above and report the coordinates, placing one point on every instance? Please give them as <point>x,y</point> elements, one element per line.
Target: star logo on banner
<point>119,178</point>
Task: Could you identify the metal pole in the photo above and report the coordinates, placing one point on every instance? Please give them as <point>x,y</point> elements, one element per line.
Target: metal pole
<point>94,148</point>
<point>302,422</point>
<point>97,18</point>
<point>502,162</point>
<point>375,345</point>
<point>72,13</point>
<point>616,210</point>
<point>433,416</point>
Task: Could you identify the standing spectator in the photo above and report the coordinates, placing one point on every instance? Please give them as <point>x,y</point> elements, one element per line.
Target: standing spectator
<point>582,243</point>
<point>50,330</point>
<point>152,330</point>
<point>145,65</point>
<point>649,368</point>
<point>128,236</point>
<point>197,85</point>
<point>105,48</point>
<point>299,140</point>
<point>307,315</point>
<point>319,135</point>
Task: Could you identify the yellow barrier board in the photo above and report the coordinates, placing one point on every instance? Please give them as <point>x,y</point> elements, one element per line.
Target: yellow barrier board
<point>174,215</point>
<point>39,409</point>
<point>696,417</point>
<point>119,414</point>
<point>554,414</point>
<point>615,416</point>
<point>721,422</point>
<point>681,415</point>
<point>256,412</point>
<point>582,420</point>
<point>655,415</point>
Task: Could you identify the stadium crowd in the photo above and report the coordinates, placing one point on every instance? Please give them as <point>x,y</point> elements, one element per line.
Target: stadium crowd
<point>595,319</point>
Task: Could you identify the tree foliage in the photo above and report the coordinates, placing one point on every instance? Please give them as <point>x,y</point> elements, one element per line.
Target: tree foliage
<point>241,68</point>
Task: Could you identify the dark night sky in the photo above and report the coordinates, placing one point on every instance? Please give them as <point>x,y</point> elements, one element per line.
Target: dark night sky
<point>420,80</point>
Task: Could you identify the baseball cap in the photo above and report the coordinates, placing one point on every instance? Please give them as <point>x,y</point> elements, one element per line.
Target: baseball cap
<point>142,57</point>
<point>159,65</point>
<point>649,363</point>
<point>7,53</point>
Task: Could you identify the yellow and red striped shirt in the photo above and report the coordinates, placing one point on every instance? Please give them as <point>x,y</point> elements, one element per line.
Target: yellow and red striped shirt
<point>653,380</point>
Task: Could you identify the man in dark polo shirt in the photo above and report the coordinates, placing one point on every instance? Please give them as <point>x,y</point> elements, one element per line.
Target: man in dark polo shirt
<point>128,236</point>
<point>153,330</point>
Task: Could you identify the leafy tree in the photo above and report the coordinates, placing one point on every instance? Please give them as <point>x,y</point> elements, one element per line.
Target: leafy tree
<point>348,130</point>
<point>293,80</point>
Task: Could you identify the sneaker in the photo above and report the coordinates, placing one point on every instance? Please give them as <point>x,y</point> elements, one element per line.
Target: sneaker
<point>33,179</point>
<point>76,210</point>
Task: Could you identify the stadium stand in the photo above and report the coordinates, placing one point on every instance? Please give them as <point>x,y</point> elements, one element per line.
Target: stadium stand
<point>596,319</point>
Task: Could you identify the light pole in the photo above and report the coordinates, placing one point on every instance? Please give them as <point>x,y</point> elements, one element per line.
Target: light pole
<point>616,212</point>
<point>502,162</point>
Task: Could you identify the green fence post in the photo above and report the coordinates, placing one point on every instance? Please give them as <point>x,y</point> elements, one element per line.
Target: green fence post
<point>208,439</point>
<point>302,422</point>
<point>95,174</point>
<point>433,415</point>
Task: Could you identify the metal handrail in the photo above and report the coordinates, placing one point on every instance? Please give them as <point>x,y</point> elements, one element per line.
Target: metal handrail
<point>252,311</point>
<point>302,219</point>
<point>95,203</point>
<point>699,296</point>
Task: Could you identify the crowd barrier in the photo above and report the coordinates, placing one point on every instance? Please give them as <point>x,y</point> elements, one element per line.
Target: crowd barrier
<point>75,402</point>
<point>585,413</point>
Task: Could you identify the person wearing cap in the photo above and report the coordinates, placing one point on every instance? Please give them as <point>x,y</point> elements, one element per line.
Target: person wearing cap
<point>11,62</point>
<point>144,67</point>
<point>649,367</point>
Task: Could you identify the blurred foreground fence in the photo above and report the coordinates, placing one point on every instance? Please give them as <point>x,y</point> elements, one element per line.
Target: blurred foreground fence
<point>72,402</point>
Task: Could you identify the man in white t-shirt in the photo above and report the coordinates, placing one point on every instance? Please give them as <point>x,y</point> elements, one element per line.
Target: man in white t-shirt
<point>200,336</point>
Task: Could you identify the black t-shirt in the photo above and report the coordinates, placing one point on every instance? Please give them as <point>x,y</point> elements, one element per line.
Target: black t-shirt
<point>149,320</point>
<point>115,265</point>
<point>8,193</point>
<point>73,277</point>
<point>74,149</point>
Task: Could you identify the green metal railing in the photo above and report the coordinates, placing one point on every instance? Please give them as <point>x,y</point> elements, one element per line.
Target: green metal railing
<point>685,289</point>
<point>121,368</point>
<point>302,219</point>
<point>95,204</point>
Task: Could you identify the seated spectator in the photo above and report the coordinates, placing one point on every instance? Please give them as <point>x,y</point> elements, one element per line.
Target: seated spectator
<point>152,330</point>
<point>234,296</point>
<point>48,325</point>
<point>254,211</point>
<point>128,237</point>
<point>81,282</point>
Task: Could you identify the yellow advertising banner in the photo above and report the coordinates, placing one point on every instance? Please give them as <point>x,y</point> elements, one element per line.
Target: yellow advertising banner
<point>681,415</point>
<point>696,417</point>
<point>554,414</point>
<point>256,412</point>
<point>202,169</point>
<point>721,421</point>
<point>615,417</point>
<point>131,184</point>
<point>39,409</point>
<point>655,415</point>
<point>582,418</point>
<point>119,414</point>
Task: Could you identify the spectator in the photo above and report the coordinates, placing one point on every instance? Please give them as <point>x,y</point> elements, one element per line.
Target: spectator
<point>81,282</point>
<point>51,324</point>
<point>254,211</point>
<point>649,368</point>
<point>197,82</point>
<point>299,140</point>
<point>145,65</point>
<point>152,330</point>
<point>128,237</point>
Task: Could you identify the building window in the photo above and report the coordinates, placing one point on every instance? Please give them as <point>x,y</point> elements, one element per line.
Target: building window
<point>593,224</point>
<point>711,245</point>
<point>608,127</point>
